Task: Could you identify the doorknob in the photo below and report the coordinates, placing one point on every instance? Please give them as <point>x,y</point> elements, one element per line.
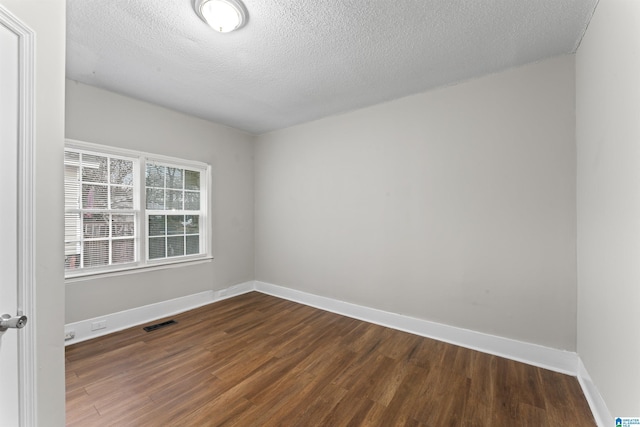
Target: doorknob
<point>7,321</point>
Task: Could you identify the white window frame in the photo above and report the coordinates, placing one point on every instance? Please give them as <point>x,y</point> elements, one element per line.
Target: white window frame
<point>141,218</point>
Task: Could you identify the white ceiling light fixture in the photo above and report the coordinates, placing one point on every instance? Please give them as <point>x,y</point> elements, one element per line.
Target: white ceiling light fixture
<point>222,15</point>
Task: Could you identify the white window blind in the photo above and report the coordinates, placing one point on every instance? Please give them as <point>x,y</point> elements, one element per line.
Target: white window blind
<point>125,209</point>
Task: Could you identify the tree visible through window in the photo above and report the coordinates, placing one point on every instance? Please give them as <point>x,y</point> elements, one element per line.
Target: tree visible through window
<point>173,206</point>
<point>100,210</point>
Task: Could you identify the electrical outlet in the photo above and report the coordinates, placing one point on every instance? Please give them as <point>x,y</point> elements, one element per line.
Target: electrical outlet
<point>69,335</point>
<point>98,325</point>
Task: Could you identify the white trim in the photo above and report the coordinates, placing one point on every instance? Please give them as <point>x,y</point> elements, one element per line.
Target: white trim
<point>141,213</point>
<point>596,402</point>
<point>565,362</point>
<point>26,210</point>
<point>117,151</point>
<point>137,316</point>
<point>136,269</point>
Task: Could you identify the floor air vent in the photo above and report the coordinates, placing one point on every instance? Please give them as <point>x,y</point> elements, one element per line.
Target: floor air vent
<point>159,325</point>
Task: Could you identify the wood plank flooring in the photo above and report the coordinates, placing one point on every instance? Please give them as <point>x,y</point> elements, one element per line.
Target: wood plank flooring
<point>257,360</point>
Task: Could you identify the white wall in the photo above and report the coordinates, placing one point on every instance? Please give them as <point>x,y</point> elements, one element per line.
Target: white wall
<point>608,145</point>
<point>455,205</point>
<point>47,19</point>
<point>103,117</point>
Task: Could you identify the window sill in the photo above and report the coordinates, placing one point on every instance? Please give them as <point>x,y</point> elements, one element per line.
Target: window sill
<point>81,277</point>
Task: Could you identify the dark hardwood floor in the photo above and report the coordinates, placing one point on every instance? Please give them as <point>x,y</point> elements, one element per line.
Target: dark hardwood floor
<point>256,360</point>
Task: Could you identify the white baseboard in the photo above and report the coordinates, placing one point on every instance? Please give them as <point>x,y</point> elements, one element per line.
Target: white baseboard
<point>139,315</point>
<point>565,362</point>
<point>596,402</point>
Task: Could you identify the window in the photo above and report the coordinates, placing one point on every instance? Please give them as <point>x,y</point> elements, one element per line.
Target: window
<point>125,209</point>
<point>173,211</point>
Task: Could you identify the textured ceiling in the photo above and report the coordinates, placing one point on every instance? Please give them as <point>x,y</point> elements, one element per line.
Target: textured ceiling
<point>299,60</point>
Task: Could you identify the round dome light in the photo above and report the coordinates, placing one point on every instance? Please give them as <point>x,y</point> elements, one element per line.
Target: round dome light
<point>222,15</point>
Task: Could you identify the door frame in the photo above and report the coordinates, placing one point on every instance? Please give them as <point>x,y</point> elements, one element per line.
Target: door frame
<point>26,214</point>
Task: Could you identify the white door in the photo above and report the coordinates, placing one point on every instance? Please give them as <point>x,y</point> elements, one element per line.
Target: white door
<point>17,378</point>
<point>9,387</point>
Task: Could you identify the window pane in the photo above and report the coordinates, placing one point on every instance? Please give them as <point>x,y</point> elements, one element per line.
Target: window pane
<point>193,245</point>
<point>71,186</point>
<point>121,197</point>
<point>95,225</point>
<point>94,168</point>
<point>192,224</point>
<point>156,247</point>
<point>96,253</point>
<point>94,196</point>
<point>175,224</point>
<point>155,199</point>
<point>174,178</point>
<point>121,172</point>
<point>72,226</point>
<point>155,175</point>
<point>156,225</point>
<point>174,199</point>
<point>191,200</point>
<point>123,225</point>
<point>175,246</point>
<point>71,158</point>
<point>123,251</point>
<point>72,256</point>
<point>192,180</point>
